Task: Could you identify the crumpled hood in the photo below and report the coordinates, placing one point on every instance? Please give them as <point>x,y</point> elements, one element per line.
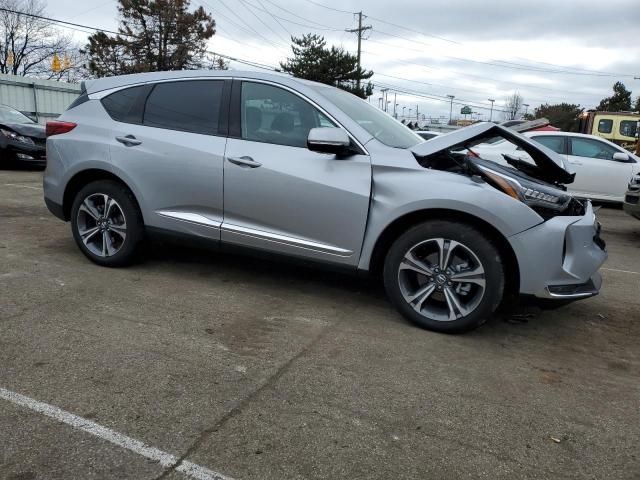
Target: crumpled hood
<point>26,129</point>
<point>551,165</point>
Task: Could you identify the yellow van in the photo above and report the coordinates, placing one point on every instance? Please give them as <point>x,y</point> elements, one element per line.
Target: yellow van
<point>617,127</point>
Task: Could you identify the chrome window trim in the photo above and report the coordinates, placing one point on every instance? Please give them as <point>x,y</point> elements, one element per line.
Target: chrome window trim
<point>308,100</point>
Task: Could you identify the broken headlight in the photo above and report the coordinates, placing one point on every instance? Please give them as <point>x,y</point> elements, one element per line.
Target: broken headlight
<point>532,194</point>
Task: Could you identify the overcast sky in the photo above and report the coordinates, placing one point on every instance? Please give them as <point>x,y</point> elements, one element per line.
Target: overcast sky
<point>555,51</point>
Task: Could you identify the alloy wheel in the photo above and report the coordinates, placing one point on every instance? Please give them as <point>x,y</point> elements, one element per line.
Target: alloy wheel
<point>101,225</point>
<point>442,279</point>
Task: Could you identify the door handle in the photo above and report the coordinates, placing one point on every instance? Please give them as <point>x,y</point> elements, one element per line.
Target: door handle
<point>244,161</point>
<point>129,140</point>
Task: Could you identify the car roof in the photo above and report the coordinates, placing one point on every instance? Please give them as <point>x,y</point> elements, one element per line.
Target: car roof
<point>108,83</point>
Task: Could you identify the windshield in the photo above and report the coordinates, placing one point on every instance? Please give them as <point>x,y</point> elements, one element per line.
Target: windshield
<point>383,127</point>
<point>10,115</point>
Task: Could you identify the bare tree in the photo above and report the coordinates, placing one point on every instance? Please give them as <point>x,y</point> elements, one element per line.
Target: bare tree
<point>28,44</point>
<point>512,106</point>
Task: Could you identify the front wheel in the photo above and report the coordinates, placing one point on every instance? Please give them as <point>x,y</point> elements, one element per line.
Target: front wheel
<point>444,276</point>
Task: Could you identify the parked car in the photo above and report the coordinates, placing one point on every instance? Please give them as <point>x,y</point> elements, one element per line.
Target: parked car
<point>22,141</point>
<point>427,134</point>
<point>603,169</point>
<point>632,198</point>
<point>301,169</point>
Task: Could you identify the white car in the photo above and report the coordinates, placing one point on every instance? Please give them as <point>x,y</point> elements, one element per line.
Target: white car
<point>603,169</point>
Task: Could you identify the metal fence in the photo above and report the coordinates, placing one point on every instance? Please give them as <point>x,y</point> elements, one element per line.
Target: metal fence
<point>42,100</point>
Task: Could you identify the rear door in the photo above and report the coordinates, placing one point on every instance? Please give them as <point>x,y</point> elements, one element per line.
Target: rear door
<point>279,195</point>
<point>168,142</point>
<point>597,174</point>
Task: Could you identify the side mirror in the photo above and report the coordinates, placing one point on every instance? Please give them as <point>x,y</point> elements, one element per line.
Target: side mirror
<point>621,157</point>
<point>329,140</point>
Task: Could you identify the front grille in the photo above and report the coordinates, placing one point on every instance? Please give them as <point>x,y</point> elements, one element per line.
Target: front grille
<point>632,199</point>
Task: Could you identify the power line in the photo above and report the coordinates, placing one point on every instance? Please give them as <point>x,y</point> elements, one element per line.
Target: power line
<point>276,20</point>
<point>503,64</point>
<point>298,16</point>
<point>245,5</point>
<point>329,8</point>
<point>62,22</point>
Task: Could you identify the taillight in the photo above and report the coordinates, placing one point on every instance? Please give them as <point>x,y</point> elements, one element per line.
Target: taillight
<point>56,127</point>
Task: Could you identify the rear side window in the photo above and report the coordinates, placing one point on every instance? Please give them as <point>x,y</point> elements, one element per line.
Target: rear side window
<point>605,126</point>
<point>127,105</point>
<point>553,142</point>
<point>189,106</point>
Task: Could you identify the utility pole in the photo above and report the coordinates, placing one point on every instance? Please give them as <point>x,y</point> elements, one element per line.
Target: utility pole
<point>492,100</point>
<point>359,31</point>
<point>451,97</point>
<point>395,105</point>
<point>384,98</point>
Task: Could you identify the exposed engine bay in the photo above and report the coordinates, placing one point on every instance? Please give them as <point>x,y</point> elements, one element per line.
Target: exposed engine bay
<point>540,185</point>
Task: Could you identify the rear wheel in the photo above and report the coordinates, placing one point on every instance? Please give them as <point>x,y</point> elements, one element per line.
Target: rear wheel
<point>107,224</point>
<point>444,276</point>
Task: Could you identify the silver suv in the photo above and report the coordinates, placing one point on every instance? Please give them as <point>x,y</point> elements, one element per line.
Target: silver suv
<point>305,170</point>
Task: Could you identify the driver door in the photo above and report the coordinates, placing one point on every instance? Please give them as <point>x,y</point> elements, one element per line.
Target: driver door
<point>280,196</point>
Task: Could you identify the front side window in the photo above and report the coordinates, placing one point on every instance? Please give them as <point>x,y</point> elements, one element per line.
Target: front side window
<point>605,125</point>
<point>552,142</point>
<point>628,128</point>
<point>377,123</point>
<point>190,106</point>
<point>274,115</point>
<point>586,147</point>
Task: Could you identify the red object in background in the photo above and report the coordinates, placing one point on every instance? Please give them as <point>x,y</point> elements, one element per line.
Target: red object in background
<point>546,128</point>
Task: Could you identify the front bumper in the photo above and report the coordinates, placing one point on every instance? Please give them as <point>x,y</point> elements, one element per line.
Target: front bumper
<point>631,203</point>
<point>22,153</point>
<point>559,259</point>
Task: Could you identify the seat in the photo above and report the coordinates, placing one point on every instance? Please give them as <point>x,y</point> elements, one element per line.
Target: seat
<point>253,122</point>
<point>283,123</point>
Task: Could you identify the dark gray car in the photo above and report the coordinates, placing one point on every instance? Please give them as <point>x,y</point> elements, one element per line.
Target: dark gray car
<point>300,169</point>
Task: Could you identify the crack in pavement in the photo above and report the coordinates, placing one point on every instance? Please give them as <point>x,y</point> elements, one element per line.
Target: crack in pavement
<point>205,434</point>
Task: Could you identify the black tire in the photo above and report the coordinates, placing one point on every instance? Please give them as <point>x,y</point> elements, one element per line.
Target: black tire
<point>426,236</point>
<point>131,218</point>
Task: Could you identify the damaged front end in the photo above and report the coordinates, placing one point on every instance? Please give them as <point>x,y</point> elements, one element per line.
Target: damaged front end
<point>540,185</point>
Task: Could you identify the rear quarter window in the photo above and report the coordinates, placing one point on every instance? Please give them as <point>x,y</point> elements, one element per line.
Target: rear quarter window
<point>127,105</point>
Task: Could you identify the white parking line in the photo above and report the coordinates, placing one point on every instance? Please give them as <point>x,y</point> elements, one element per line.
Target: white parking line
<point>165,459</point>
<point>620,271</point>
<point>23,186</point>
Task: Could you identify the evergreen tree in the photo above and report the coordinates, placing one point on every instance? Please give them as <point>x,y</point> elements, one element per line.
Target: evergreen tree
<point>312,60</point>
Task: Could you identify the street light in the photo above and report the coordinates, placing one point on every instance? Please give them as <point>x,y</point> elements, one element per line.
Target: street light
<point>492,100</point>
<point>451,97</point>
<point>403,109</point>
<point>526,107</point>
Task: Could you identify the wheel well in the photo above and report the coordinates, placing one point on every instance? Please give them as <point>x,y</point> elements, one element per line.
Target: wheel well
<point>79,180</point>
<point>404,223</point>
